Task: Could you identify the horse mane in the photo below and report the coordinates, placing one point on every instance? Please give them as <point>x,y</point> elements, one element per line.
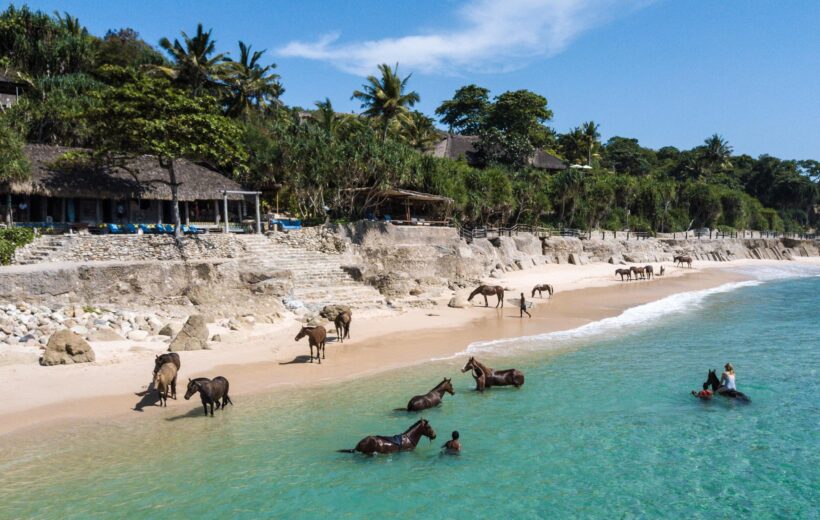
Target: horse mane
<point>476,291</point>
<point>482,366</point>
<point>408,430</point>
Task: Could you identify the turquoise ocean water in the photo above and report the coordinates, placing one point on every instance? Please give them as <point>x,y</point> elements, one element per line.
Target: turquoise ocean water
<point>604,428</point>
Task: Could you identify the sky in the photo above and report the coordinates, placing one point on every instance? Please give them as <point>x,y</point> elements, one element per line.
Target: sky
<point>667,72</point>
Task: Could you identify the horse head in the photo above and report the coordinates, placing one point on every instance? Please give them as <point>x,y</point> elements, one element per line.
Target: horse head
<point>426,429</point>
<point>302,334</point>
<point>712,380</point>
<point>470,364</point>
<point>193,387</point>
<point>447,386</point>
<point>157,364</point>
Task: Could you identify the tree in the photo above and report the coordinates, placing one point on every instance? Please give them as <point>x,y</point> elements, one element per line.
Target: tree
<point>326,117</point>
<point>714,155</point>
<point>589,130</point>
<point>418,132</point>
<point>386,98</point>
<point>626,156</point>
<point>194,63</point>
<point>14,165</point>
<point>522,113</point>
<point>510,149</point>
<point>141,115</point>
<point>251,85</point>
<point>125,48</point>
<point>465,112</point>
<point>572,145</point>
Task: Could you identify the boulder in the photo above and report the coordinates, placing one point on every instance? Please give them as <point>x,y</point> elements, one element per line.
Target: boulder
<point>171,329</point>
<point>329,312</point>
<point>459,301</point>
<point>193,336</point>
<point>79,330</point>
<point>138,335</point>
<point>217,338</point>
<point>105,334</point>
<point>65,347</point>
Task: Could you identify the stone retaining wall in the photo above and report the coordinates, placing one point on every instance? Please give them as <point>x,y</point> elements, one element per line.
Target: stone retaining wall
<point>82,248</point>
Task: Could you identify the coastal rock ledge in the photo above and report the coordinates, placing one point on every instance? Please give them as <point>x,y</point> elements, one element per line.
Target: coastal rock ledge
<point>193,336</point>
<point>65,347</point>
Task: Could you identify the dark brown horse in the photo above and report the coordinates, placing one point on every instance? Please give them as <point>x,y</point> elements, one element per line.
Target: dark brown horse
<point>639,272</point>
<point>662,271</point>
<point>624,272</point>
<point>680,260</point>
<point>540,288</point>
<point>162,381</point>
<point>489,290</point>
<point>650,271</point>
<point>316,338</point>
<point>431,398</point>
<point>713,381</point>
<point>342,323</point>
<point>168,357</point>
<point>406,441</point>
<point>487,377</point>
<point>210,391</point>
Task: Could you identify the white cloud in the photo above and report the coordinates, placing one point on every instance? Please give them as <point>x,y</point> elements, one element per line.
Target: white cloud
<point>488,35</point>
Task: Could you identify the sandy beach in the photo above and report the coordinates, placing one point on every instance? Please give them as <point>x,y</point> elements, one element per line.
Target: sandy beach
<point>266,357</point>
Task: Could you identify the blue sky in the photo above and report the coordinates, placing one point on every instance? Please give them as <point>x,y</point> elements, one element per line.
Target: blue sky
<point>669,72</point>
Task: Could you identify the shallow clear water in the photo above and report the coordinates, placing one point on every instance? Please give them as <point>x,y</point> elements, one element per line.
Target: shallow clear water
<point>603,428</point>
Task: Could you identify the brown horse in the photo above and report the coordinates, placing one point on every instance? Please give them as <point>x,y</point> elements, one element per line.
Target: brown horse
<point>163,378</point>
<point>487,377</point>
<point>640,272</point>
<point>168,357</point>
<point>540,288</point>
<point>680,260</point>
<point>489,290</point>
<point>342,323</point>
<point>650,271</point>
<point>211,391</point>
<point>624,272</point>
<point>316,338</point>
<point>431,398</point>
<point>406,441</point>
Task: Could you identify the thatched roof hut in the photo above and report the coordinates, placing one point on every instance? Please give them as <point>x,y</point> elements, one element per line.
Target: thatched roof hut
<point>453,146</point>
<point>143,179</point>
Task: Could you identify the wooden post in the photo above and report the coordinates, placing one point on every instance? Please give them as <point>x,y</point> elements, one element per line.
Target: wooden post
<point>62,210</point>
<point>225,201</point>
<point>258,215</point>
<point>98,211</point>
<point>159,212</point>
<point>187,214</point>
<point>216,212</point>
<point>8,209</point>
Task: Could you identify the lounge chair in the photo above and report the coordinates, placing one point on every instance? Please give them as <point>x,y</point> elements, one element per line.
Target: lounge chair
<point>114,229</point>
<point>168,229</point>
<point>131,228</point>
<point>388,218</point>
<point>146,229</point>
<point>195,230</point>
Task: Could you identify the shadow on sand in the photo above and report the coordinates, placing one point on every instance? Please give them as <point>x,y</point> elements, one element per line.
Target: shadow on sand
<point>150,397</point>
<point>297,360</point>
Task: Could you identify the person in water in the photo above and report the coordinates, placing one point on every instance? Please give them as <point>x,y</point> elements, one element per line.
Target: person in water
<point>523,307</point>
<point>727,380</point>
<point>453,445</point>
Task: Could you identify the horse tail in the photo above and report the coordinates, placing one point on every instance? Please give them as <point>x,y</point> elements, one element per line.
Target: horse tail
<point>550,289</point>
<point>346,451</point>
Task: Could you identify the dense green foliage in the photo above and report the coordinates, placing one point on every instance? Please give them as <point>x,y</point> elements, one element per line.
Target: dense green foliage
<point>11,239</point>
<point>13,163</point>
<point>192,98</point>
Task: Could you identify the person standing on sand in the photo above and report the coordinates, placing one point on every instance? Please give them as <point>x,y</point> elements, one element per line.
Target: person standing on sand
<point>523,307</point>
<point>453,446</point>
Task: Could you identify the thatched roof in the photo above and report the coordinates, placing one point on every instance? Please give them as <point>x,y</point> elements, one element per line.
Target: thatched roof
<point>397,193</point>
<point>453,146</point>
<point>146,180</point>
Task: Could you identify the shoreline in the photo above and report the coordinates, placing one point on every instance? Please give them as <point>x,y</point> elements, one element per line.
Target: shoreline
<point>584,294</point>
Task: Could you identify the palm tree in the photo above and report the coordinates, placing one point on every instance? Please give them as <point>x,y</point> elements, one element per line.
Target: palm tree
<point>590,138</point>
<point>385,97</point>
<point>326,117</point>
<point>71,24</point>
<point>715,154</point>
<point>252,85</point>
<point>418,131</point>
<point>194,63</point>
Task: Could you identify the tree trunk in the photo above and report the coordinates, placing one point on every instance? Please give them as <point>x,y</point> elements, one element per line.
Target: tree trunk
<point>172,176</point>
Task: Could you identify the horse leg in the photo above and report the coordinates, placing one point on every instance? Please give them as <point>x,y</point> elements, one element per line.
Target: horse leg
<point>205,407</point>
<point>311,351</point>
<point>174,387</point>
<point>486,302</point>
<point>212,408</point>
<point>323,350</point>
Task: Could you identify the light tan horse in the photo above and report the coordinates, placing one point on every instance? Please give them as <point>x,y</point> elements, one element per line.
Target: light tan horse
<point>541,288</point>
<point>163,380</point>
<point>489,290</point>
<point>680,260</point>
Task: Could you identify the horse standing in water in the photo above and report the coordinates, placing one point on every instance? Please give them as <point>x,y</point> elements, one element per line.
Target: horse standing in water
<point>639,272</point>
<point>624,272</point>
<point>650,271</point>
<point>210,391</point>
<point>316,338</point>
<point>487,377</point>
<point>169,357</point>
<point>540,288</point>
<point>489,290</point>
<point>713,381</point>
<point>406,441</point>
<point>431,398</point>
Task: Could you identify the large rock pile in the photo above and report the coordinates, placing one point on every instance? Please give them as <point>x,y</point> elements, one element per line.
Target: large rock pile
<point>193,336</point>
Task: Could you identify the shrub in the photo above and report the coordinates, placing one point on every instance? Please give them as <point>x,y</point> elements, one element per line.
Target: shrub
<point>11,239</point>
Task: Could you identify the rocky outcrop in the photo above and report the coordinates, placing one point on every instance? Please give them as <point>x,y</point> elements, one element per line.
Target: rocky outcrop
<point>329,312</point>
<point>193,336</point>
<point>459,300</point>
<point>65,348</point>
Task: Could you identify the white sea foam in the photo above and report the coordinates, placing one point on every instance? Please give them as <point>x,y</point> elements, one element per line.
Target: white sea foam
<point>646,314</point>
